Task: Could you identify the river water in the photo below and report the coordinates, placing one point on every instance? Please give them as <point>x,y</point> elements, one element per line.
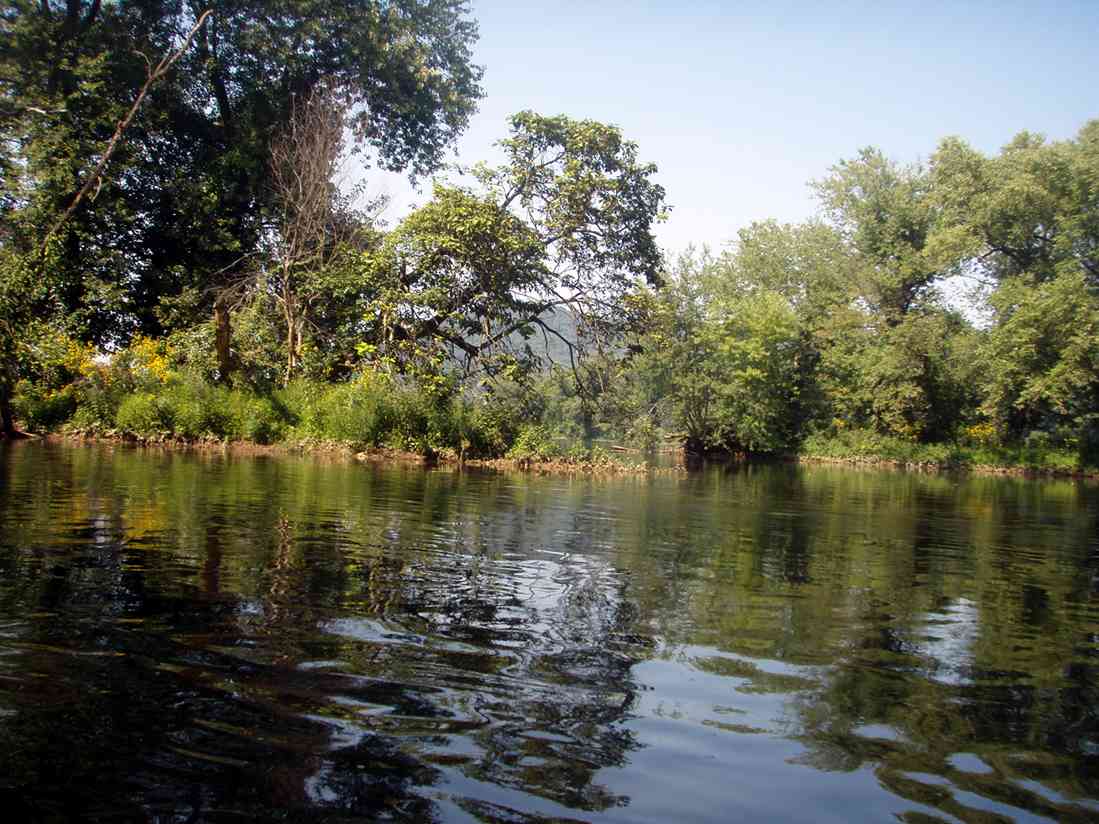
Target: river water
<point>202,638</point>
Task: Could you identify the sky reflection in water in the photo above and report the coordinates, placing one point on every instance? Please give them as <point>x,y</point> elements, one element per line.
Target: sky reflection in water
<point>202,638</point>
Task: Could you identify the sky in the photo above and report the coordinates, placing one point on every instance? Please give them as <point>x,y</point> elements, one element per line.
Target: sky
<point>742,104</point>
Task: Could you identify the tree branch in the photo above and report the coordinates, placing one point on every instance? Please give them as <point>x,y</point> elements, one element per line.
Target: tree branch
<point>153,75</point>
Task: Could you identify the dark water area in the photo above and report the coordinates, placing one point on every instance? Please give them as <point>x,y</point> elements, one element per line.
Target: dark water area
<point>202,638</point>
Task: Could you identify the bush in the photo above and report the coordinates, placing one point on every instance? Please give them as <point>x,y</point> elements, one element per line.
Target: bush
<point>144,414</point>
<point>252,418</point>
<point>97,407</point>
<point>480,429</point>
<point>356,413</point>
<point>852,444</point>
<point>1035,453</point>
<point>534,443</point>
<point>196,409</point>
<point>420,422</point>
<point>42,410</point>
<point>187,408</point>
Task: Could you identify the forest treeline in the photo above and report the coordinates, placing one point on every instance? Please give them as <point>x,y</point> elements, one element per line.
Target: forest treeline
<point>181,254</point>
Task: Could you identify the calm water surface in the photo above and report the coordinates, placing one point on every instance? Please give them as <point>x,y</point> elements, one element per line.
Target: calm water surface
<point>195,638</point>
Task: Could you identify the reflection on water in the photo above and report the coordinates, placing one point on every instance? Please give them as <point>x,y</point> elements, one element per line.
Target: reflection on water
<point>190,638</point>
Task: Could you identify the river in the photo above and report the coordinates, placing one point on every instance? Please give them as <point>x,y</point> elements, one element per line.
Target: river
<point>195,637</point>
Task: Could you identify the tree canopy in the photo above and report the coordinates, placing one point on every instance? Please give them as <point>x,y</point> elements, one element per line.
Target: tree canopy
<point>565,223</point>
<point>184,200</point>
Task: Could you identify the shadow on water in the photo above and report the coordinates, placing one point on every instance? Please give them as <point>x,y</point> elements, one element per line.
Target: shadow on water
<point>210,638</point>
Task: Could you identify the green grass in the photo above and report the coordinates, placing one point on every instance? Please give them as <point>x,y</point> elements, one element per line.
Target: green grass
<point>867,446</point>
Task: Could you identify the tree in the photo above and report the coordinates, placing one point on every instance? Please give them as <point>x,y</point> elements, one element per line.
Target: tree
<point>673,374</point>
<point>162,233</point>
<point>1007,216</point>
<point>722,361</point>
<point>809,264</point>
<point>22,270</point>
<point>17,287</point>
<point>761,351</point>
<point>564,225</point>
<point>315,230</point>
<point>885,212</point>
<point>1026,221</point>
<point>163,238</point>
<point>886,358</point>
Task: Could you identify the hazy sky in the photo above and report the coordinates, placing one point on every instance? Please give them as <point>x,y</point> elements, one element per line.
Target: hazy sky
<point>741,104</point>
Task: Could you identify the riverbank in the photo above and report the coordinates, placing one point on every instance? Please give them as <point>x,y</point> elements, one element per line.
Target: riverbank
<point>342,451</point>
<point>869,449</point>
<point>927,458</point>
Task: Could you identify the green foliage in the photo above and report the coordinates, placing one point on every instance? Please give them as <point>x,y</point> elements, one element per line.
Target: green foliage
<point>534,442</point>
<point>759,349</point>
<point>886,213</point>
<point>253,418</point>
<point>1043,355</point>
<point>861,445</point>
<point>722,360</point>
<point>910,382</point>
<point>98,399</point>
<point>145,414</point>
<point>377,410</point>
<point>161,230</point>
<point>358,412</point>
<point>458,273</point>
<point>42,409</point>
<point>868,444</point>
<point>565,222</point>
<point>1027,221</point>
<point>183,406</point>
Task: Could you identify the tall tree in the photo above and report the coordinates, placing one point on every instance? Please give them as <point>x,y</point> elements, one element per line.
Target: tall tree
<point>884,211</point>
<point>167,230</point>
<point>887,357</point>
<point>183,204</point>
<point>564,225</point>
<point>316,229</point>
<point>1027,222</point>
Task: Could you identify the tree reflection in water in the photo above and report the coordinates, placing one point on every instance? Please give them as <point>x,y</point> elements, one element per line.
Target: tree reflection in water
<point>201,638</point>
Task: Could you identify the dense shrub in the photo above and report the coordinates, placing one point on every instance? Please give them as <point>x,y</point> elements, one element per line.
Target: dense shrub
<point>357,412</point>
<point>534,443</point>
<point>1035,453</point>
<point>144,414</point>
<point>253,418</point>
<point>42,409</point>
<point>196,409</point>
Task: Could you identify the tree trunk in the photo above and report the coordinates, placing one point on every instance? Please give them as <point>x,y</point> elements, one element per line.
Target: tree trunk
<point>7,417</point>
<point>293,336</point>
<point>223,339</point>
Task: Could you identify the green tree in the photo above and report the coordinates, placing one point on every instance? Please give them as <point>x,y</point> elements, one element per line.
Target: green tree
<point>760,349</point>
<point>809,264</point>
<point>1026,222</point>
<point>885,212</point>
<point>672,368</point>
<point>159,230</point>
<point>565,225</point>
<point>719,361</point>
<point>148,247</point>
<point>886,357</point>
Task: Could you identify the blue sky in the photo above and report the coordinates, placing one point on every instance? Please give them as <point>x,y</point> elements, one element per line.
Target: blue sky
<point>741,104</point>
